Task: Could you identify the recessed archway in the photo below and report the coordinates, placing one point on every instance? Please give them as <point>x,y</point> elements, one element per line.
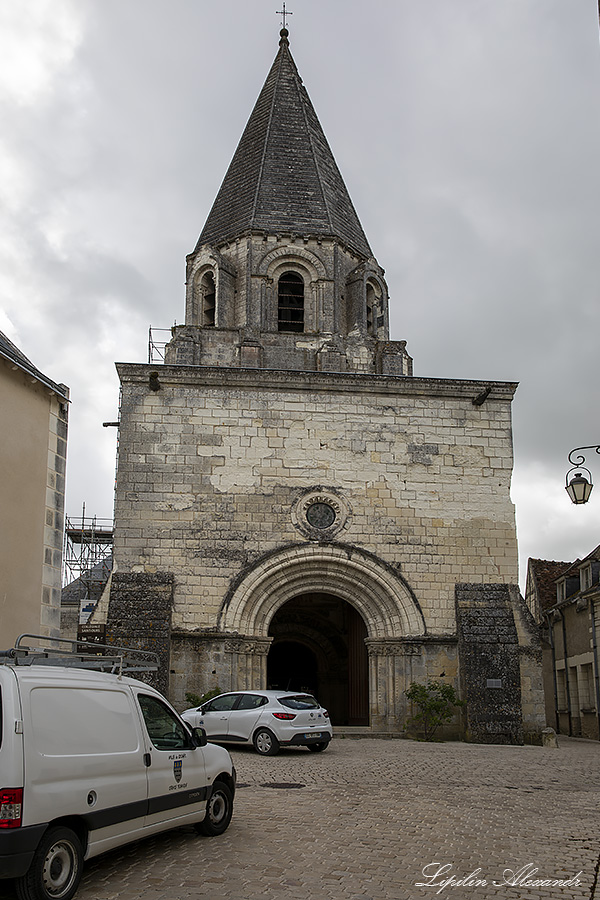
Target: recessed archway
<point>384,601</point>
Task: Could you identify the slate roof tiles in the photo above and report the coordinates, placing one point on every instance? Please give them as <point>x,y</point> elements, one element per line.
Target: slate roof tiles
<point>11,352</point>
<point>283,177</point>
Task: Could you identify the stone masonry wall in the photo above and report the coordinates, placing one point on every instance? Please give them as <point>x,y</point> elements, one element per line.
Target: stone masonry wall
<point>54,520</point>
<point>490,674</point>
<point>336,336</point>
<point>530,656</point>
<point>139,616</point>
<point>212,462</point>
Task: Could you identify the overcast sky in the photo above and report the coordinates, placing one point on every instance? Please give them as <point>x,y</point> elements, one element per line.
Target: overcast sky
<point>468,134</point>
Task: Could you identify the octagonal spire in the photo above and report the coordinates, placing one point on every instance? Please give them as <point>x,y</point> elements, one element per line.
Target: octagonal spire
<point>283,177</point>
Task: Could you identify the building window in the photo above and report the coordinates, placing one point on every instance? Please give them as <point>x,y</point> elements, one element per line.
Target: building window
<point>209,299</point>
<point>586,578</point>
<point>561,689</point>
<point>561,591</point>
<point>586,690</point>
<point>574,689</point>
<point>290,296</point>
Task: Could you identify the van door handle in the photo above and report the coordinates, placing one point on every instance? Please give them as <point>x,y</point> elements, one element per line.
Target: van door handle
<point>147,759</point>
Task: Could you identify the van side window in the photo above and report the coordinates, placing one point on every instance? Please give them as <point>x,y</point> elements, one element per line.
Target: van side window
<point>164,729</point>
<point>72,721</point>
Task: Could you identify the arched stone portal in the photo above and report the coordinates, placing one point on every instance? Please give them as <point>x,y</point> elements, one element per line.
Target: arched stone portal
<point>382,597</point>
<point>354,612</point>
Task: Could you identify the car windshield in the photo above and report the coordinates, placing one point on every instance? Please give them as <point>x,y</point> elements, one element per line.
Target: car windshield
<point>299,701</point>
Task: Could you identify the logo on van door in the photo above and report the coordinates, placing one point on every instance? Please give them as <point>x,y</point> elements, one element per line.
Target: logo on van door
<point>177,769</point>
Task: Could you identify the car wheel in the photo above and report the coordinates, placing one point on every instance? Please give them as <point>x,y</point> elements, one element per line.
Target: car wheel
<point>218,811</point>
<point>265,742</point>
<point>55,871</point>
<point>318,748</point>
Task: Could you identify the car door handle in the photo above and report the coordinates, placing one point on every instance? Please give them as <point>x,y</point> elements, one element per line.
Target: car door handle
<point>147,759</point>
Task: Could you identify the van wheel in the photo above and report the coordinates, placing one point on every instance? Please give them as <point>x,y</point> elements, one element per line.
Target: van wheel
<point>265,742</point>
<point>218,811</point>
<point>56,868</point>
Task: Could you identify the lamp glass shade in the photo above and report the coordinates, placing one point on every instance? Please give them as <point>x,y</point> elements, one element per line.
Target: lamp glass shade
<point>579,489</point>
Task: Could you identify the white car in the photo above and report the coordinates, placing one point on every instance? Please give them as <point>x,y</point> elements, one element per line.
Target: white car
<point>267,719</point>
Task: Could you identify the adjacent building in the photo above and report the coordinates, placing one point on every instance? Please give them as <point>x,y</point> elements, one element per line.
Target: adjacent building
<point>571,672</point>
<point>33,450</point>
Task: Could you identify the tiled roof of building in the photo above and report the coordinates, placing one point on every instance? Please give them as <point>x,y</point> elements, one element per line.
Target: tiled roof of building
<point>545,572</point>
<point>90,585</point>
<point>283,177</point>
<point>12,353</point>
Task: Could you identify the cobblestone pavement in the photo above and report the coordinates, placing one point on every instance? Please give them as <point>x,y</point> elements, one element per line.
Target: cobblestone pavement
<point>362,820</point>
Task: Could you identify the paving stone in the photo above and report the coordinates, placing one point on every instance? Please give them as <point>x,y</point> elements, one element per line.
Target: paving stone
<point>373,814</point>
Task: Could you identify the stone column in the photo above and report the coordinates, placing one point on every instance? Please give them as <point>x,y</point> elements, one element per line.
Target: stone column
<point>393,664</point>
<point>248,662</point>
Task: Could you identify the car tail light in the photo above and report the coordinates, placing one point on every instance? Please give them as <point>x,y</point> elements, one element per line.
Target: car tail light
<point>11,805</point>
<point>286,716</point>
<point>325,713</point>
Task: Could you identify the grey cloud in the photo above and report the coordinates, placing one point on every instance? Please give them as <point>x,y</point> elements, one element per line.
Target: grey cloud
<point>468,134</point>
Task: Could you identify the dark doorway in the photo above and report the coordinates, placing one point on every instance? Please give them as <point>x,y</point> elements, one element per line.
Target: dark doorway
<point>292,667</point>
<point>319,646</point>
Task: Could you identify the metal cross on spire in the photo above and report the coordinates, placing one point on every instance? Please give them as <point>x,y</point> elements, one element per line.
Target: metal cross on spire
<point>283,12</point>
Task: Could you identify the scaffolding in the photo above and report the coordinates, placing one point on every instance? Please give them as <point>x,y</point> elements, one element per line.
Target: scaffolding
<point>87,559</point>
<point>157,341</point>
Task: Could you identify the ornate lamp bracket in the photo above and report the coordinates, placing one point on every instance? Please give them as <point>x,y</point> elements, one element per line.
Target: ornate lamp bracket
<point>579,487</point>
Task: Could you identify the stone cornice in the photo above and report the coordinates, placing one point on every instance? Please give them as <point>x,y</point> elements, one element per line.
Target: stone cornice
<point>293,380</point>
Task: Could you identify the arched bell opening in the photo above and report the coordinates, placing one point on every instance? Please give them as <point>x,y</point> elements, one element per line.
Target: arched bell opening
<point>290,302</point>
<point>319,647</point>
<point>373,307</point>
<point>208,296</point>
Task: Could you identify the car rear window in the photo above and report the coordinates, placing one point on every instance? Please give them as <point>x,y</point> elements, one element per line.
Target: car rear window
<point>299,701</point>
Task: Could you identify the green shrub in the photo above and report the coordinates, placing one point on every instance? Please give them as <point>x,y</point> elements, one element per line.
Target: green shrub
<point>196,700</point>
<point>434,703</point>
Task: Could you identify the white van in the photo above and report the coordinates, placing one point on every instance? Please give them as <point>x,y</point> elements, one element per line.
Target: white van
<point>89,761</point>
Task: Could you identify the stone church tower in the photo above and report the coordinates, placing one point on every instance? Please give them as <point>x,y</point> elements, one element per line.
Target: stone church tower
<point>294,508</point>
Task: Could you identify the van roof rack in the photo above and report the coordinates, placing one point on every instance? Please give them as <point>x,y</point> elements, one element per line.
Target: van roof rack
<point>79,655</point>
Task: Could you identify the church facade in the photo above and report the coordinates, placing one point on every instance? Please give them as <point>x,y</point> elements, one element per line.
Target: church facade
<point>294,508</point>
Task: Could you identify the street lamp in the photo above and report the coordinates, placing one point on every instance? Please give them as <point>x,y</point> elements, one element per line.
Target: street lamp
<point>579,487</point>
